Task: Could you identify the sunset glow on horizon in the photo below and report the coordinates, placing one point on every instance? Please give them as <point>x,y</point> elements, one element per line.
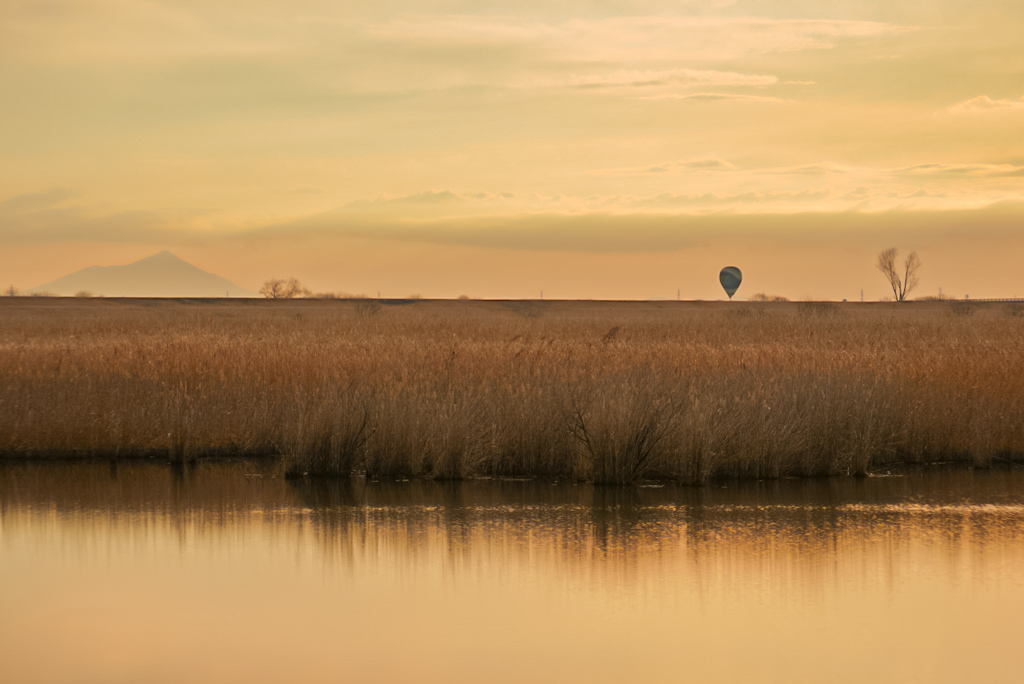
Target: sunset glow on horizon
<point>607,150</point>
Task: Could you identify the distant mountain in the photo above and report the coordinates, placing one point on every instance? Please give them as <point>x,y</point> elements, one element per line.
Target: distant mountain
<point>161,275</point>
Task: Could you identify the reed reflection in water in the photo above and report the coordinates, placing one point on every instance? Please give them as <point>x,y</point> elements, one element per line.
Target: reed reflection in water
<point>226,572</point>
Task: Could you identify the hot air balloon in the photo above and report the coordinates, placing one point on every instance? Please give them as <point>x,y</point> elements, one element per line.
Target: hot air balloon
<point>730,277</point>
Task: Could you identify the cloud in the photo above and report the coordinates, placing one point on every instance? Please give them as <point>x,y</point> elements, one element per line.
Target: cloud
<point>48,217</point>
<point>429,200</point>
<point>713,201</point>
<point>713,97</point>
<point>633,232</point>
<point>428,197</point>
<point>606,54</point>
<point>936,170</point>
<point>35,201</point>
<point>819,169</point>
<point>595,224</point>
<point>963,170</point>
<point>633,78</point>
<point>705,164</point>
<point>127,31</point>
<point>698,164</point>
<point>330,52</point>
<point>629,38</point>
<point>72,31</point>
<point>985,104</point>
<point>646,84</point>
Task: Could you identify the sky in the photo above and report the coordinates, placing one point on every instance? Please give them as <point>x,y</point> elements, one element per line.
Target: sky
<point>588,149</point>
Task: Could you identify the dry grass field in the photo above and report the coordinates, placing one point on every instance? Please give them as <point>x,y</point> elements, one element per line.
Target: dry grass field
<point>611,392</point>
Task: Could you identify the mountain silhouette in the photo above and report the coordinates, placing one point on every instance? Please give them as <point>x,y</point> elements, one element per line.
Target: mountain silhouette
<point>161,275</point>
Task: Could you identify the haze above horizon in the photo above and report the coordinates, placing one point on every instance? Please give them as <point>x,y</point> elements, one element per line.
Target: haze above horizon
<point>592,150</point>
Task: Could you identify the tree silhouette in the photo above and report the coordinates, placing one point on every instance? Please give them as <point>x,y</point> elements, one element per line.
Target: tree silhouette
<point>276,288</point>
<point>901,284</point>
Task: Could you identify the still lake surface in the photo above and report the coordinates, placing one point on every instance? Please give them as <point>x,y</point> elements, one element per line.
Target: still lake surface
<point>228,573</point>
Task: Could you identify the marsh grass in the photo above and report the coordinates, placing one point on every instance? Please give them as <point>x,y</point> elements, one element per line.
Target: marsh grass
<point>602,392</point>
<point>959,307</point>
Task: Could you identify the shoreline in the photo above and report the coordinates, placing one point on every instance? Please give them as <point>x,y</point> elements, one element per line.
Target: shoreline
<point>278,464</point>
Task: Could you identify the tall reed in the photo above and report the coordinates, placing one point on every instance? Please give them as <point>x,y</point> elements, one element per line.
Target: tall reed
<point>603,392</point>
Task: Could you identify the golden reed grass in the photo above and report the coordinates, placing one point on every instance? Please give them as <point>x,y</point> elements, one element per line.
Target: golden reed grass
<point>594,391</point>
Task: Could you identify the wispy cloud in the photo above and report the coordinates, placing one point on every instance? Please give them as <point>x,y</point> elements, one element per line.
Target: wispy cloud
<point>323,53</point>
<point>964,170</point>
<point>819,169</point>
<point>50,216</point>
<point>73,31</point>
<point>715,201</point>
<point>698,164</point>
<point>35,201</point>
<point>429,197</point>
<point>432,200</point>
<point>632,232</point>
<point>503,220</point>
<point>610,54</point>
<point>128,30</point>
<point>714,97</point>
<point>631,38</point>
<point>645,79</point>
<point>984,103</point>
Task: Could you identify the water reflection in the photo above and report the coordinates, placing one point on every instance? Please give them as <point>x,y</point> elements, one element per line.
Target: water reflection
<point>207,569</point>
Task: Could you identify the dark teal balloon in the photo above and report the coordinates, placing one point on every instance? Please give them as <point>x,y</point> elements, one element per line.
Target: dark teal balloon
<point>730,277</point>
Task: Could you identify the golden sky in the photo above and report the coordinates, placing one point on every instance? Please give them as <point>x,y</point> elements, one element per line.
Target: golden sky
<point>589,149</point>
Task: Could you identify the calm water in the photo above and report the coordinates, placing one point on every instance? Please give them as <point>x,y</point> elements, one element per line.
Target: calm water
<point>225,573</point>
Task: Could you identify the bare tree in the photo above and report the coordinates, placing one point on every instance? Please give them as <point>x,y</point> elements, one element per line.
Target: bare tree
<point>764,297</point>
<point>272,288</point>
<point>276,288</point>
<point>901,283</point>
